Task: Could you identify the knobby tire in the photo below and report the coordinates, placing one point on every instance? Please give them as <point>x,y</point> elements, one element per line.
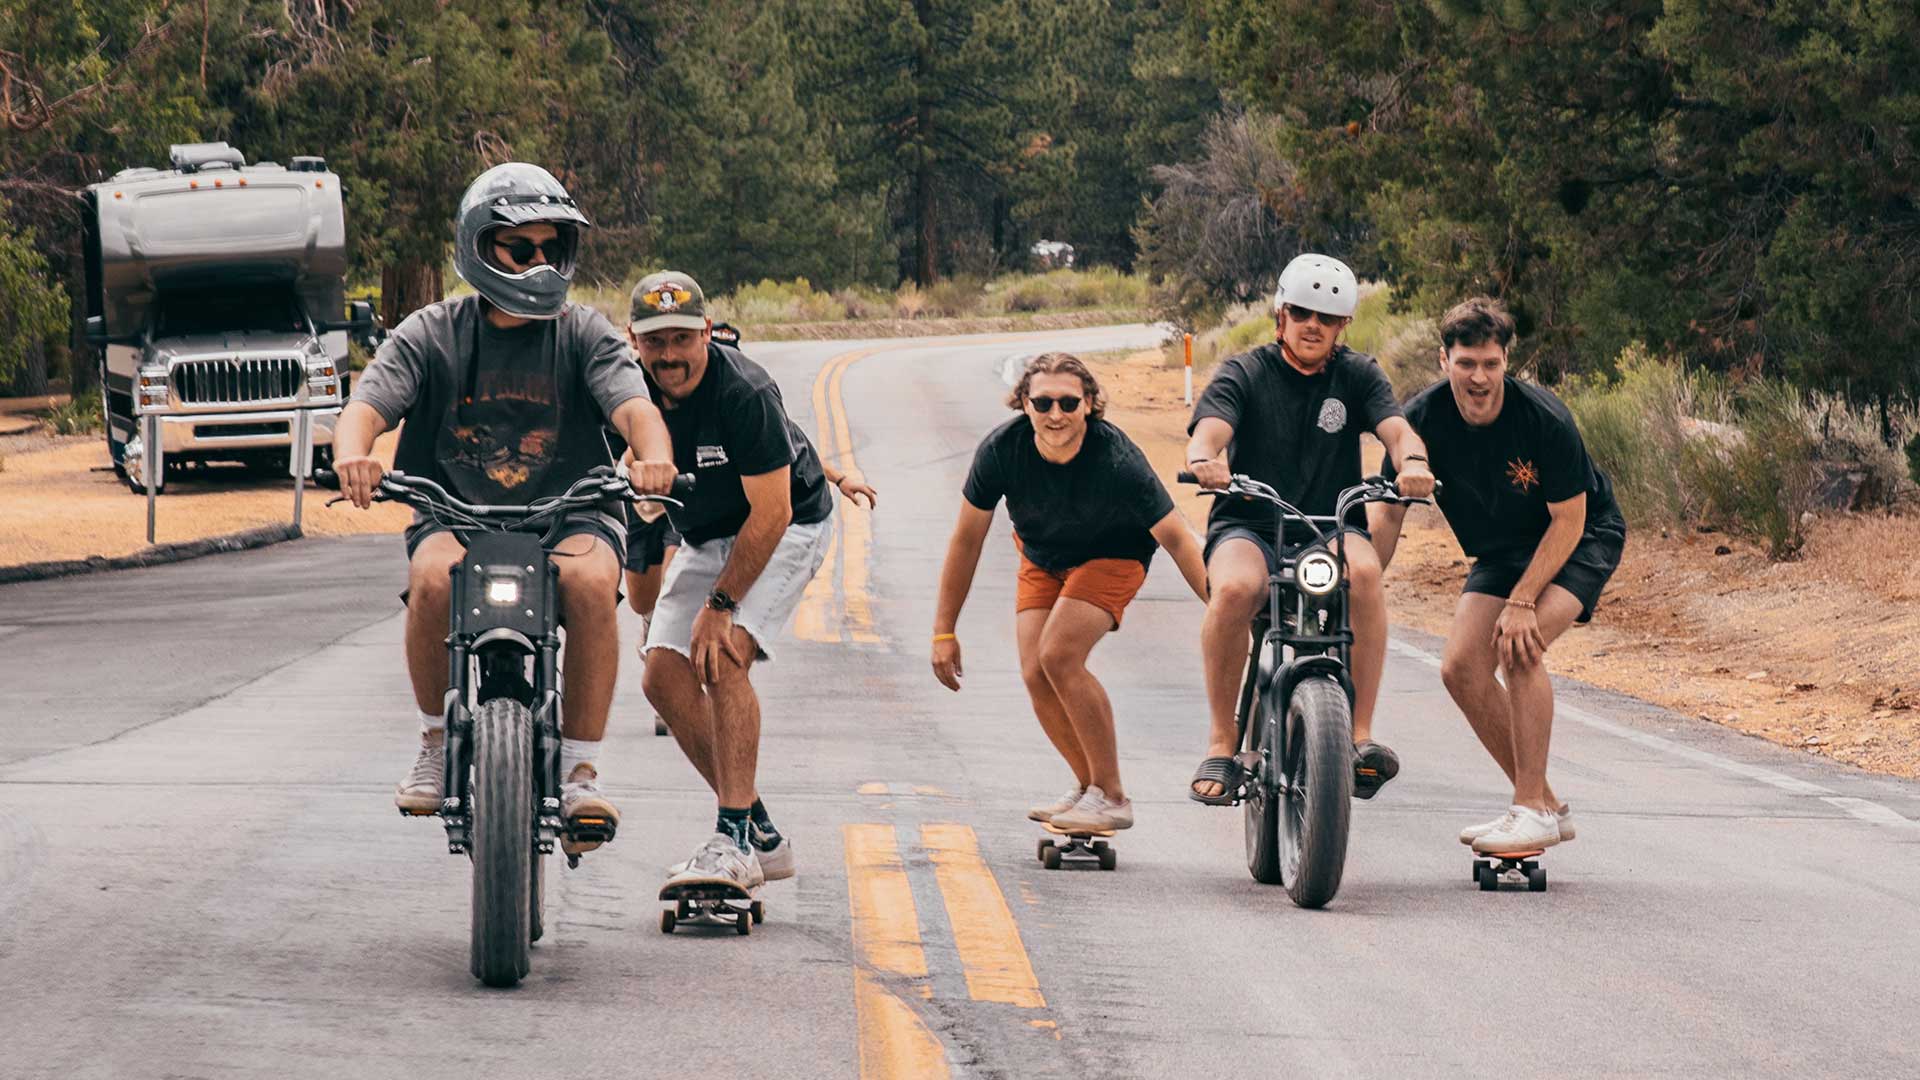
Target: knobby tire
<point>502,845</point>
<point>1320,795</point>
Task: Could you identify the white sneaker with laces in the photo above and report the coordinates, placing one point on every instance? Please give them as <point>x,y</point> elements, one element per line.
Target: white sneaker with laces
<point>426,783</point>
<point>1564,816</point>
<point>1096,813</point>
<point>720,860</point>
<point>776,862</point>
<point>1526,829</point>
<point>1066,802</point>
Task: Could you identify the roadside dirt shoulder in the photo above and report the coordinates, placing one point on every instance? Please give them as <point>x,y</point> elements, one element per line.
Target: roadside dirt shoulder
<point>1821,654</point>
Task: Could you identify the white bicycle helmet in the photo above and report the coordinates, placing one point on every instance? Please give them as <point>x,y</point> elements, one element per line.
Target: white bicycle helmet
<point>1318,283</point>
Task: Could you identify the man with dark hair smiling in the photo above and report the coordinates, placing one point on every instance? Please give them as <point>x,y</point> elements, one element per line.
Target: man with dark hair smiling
<point>1539,520</point>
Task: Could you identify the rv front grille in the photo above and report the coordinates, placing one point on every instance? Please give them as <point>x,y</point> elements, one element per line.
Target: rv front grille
<point>238,382</point>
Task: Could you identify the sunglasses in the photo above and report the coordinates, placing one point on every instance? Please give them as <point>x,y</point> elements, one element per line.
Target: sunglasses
<point>1067,404</point>
<point>1301,315</point>
<point>520,250</point>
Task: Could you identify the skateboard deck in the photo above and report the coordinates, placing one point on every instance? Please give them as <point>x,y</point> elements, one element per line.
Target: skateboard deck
<point>1082,845</point>
<point>713,902</point>
<point>1491,870</point>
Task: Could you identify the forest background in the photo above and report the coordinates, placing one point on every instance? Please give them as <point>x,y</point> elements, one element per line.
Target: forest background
<point>1726,185</point>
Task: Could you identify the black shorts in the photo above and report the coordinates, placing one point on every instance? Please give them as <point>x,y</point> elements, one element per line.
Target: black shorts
<point>1585,574</point>
<point>648,541</point>
<point>1263,539</point>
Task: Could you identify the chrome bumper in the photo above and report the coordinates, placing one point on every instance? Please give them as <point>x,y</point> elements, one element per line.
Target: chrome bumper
<point>242,431</point>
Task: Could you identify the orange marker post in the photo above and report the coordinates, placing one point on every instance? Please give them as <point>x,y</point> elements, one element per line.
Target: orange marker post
<point>1188,345</point>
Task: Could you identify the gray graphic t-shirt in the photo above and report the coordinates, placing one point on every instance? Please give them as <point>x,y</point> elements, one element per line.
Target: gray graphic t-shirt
<point>500,416</point>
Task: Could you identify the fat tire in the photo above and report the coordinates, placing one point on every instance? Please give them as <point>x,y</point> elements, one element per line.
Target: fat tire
<point>1322,718</point>
<point>537,898</point>
<point>1261,806</point>
<point>502,827</point>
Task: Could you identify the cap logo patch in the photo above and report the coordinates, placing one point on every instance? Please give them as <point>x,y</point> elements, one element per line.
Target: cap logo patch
<point>668,297</point>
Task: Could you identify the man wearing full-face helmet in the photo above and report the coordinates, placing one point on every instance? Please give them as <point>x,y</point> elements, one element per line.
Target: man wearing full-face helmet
<point>505,392</point>
<point>1290,414</point>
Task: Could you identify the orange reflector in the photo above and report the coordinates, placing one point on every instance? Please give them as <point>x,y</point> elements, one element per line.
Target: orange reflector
<point>194,184</point>
<point>119,194</point>
<point>243,181</point>
<point>319,183</point>
<point>219,183</point>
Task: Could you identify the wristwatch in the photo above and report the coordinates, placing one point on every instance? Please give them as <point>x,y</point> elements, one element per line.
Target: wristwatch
<point>718,600</point>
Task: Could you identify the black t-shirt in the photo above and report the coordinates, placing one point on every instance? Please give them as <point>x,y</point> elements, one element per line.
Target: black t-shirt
<point>1300,433</point>
<point>735,425</point>
<point>1496,481</point>
<point>1100,505</point>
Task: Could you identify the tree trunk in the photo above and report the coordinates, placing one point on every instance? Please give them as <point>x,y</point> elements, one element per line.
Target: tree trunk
<point>406,288</point>
<point>924,235</point>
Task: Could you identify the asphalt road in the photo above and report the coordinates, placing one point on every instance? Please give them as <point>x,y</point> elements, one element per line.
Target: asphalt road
<point>201,873</point>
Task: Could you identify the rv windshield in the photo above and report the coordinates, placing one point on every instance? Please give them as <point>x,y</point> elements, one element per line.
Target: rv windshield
<point>230,309</point>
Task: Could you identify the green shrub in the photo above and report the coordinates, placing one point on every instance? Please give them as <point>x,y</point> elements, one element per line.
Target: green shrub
<point>1632,427</point>
<point>954,298</point>
<point>1762,484</point>
<point>1411,356</point>
<point>78,416</point>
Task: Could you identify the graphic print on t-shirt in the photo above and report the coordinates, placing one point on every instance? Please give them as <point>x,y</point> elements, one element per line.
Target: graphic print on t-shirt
<point>1523,475</point>
<point>507,432</point>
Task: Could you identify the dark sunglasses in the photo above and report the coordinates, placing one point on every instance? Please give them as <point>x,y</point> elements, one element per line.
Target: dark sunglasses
<point>1300,315</point>
<point>520,250</point>
<point>1045,404</point>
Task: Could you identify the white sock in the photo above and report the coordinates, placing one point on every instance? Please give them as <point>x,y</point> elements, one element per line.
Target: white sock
<point>574,752</point>
<point>431,722</point>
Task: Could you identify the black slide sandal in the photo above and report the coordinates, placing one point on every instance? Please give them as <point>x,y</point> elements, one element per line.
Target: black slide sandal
<point>1222,770</point>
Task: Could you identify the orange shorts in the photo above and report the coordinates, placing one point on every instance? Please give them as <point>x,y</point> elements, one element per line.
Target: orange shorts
<point>1108,584</point>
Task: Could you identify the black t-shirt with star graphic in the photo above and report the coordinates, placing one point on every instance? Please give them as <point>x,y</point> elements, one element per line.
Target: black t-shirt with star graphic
<point>1300,433</point>
<point>1496,481</point>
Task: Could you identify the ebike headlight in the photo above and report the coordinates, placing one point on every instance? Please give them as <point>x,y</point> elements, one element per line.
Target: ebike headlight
<point>503,591</point>
<point>1317,573</point>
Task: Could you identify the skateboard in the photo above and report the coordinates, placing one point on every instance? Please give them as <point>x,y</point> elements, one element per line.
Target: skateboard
<point>710,903</point>
<point>660,725</point>
<point>1488,870</point>
<point>1083,846</point>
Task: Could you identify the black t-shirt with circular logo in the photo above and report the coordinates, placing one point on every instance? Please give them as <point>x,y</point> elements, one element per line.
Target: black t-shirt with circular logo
<point>735,424</point>
<point>1101,505</point>
<point>1300,433</point>
<point>1496,481</point>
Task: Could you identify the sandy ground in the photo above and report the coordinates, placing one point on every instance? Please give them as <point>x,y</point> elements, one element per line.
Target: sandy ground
<point>1822,654</point>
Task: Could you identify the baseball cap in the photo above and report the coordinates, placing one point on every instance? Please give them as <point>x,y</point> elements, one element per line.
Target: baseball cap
<point>667,299</point>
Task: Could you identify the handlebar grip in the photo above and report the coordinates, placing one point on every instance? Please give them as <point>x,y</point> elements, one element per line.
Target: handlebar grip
<point>1184,477</point>
<point>326,478</point>
<point>682,486</point>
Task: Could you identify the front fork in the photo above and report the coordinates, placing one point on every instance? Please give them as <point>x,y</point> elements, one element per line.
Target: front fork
<point>459,745</point>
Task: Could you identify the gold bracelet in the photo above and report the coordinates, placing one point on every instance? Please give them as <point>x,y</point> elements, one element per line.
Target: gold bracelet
<point>946,637</point>
<point>1528,604</point>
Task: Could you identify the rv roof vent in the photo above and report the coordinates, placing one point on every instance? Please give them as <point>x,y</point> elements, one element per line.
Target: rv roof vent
<point>192,157</point>
<point>307,163</point>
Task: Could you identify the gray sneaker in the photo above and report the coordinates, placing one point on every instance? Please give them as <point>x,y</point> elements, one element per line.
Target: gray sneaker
<point>1045,811</point>
<point>720,860</point>
<point>1096,813</point>
<point>425,784</point>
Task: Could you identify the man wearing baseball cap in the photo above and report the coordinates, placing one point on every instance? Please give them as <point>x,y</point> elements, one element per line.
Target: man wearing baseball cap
<point>754,532</point>
<point>1290,414</point>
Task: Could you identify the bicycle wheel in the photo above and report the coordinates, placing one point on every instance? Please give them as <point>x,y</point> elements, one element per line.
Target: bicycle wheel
<point>1262,803</point>
<point>1318,791</point>
<point>502,845</point>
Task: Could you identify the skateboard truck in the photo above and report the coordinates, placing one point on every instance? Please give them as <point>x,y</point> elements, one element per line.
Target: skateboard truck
<point>1088,846</point>
<point>711,905</point>
<point>1488,871</point>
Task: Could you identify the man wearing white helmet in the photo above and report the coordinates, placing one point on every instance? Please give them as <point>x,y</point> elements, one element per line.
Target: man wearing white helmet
<point>504,392</point>
<point>1290,414</point>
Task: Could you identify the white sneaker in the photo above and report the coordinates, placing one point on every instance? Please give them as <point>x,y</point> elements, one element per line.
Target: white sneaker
<point>580,797</point>
<point>1525,829</point>
<point>1096,813</point>
<point>1046,811</point>
<point>719,859</point>
<point>1564,816</point>
<point>1474,832</point>
<point>426,783</point>
<point>776,862</point>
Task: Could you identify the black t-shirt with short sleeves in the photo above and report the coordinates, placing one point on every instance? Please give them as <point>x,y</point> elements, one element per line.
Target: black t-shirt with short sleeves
<point>1300,433</point>
<point>735,424</point>
<point>1496,481</point>
<point>1101,505</point>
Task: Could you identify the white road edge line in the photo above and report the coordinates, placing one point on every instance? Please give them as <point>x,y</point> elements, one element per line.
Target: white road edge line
<point>1864,809</point>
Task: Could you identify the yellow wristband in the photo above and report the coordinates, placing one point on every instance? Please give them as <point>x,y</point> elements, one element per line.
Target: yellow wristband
<point>946,637</point>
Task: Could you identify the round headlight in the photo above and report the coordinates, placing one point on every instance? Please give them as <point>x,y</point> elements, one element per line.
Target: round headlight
<point>1317,573</point>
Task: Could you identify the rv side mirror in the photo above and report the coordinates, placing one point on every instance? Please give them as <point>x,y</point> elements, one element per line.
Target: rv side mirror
<point>96,331</point>
<point>360,324</point>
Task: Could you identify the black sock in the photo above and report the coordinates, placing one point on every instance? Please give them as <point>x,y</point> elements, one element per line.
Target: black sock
<point>766,837</point>
<point>733,823</point>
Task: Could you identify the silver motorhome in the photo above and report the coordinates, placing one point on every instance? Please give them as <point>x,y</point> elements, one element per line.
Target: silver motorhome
<point>215,289</point>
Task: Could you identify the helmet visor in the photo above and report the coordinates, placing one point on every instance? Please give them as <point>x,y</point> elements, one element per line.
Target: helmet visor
<point>519,256</point>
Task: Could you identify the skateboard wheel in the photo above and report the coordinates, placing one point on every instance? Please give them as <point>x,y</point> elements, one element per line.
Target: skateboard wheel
<point>759,912</point>
<point>1040,852</point>
<point>660,727</point>
<point>1536,879</point>
<point>683,909</point>
<point>666,922</point>
<point>1108,857</point>
<point>1479,866</point>
<point>1100,846</point>
<point>1489,877</point>
<point>1051,858</point>
<point>743,924</point>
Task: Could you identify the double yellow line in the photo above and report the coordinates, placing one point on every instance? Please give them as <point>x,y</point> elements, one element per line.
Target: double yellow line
<point>892,966</point>
<point>849,555</point>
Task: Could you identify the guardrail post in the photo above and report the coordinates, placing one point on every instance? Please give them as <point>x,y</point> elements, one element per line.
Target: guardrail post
<point>151,464</point>
<point>1188,345</point>
<point>302,455</point>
